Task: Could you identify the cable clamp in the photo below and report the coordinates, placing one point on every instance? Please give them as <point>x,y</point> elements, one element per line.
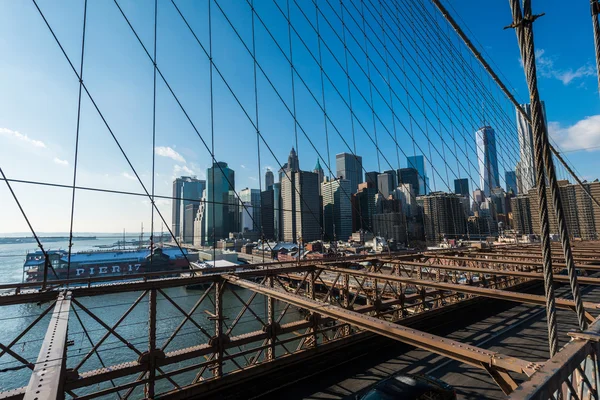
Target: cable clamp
<point>525,21</point>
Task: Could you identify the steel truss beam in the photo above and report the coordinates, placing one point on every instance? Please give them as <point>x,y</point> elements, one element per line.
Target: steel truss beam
<point>519,274</point>
<point>48,376</point>
<point>482,255</point>
<point>474,290</point>
<point>93,377</point>
<point>512,262</point>
<point>35,296</point>
<point>471,355</point>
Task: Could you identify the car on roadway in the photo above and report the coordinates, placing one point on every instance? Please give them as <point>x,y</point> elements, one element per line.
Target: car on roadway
<point>410,387</point>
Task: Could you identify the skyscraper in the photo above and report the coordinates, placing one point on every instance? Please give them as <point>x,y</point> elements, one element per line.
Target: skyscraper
<point>394,175</point>
<point>269,179</point>
<point>409,176</point>
<point>185,191</point>
<point>418,163</point>
<point>487,159</point>
<point>251,197</point>
<point>511,182</point>
<point>461,186</point>
<point>337,209</point>
<point>443,216</point>
<point>365,205</point>
<point>406,194</point>
<point>189,215</point>
<point>267,214</point>
<point>371,177</point>
<point>277,212</point>
<point>525,169</point>
<point>219,210</point>
<point>348,166</point>
<point>521,210</point>
<point>301,206</point>
<point>319,171</point>
<point>293,163</point>
<point>385,184</point>
<point>199,224</point>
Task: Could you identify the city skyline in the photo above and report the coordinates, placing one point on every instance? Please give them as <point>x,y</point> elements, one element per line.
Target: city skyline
<point>41,84</point>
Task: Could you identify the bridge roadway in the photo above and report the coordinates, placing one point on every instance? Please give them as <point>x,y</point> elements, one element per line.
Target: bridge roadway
<point>514,330</point>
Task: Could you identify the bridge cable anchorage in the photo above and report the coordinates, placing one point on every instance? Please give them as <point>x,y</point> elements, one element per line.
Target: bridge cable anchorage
<point>507,92</point>
<point>595,10</point>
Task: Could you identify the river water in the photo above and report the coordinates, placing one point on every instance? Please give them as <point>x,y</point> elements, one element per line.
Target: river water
<point>109,308</point>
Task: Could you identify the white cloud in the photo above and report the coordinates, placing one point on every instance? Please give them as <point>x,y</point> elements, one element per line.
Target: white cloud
<point>22,136</point>
<point>581,135</point>
<point>182,170</point>
<point>252,178</point>
<point>60,162</point>
<point>546,68</point>
<point>243,166</point>
<point>165,151</point>
<point>128,176</point>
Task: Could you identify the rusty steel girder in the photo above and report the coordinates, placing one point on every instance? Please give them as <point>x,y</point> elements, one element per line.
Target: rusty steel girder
<point>458,351</point>
<point>393,287</point>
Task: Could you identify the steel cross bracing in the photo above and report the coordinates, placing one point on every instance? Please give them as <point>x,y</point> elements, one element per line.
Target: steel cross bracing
<point>321,306</point>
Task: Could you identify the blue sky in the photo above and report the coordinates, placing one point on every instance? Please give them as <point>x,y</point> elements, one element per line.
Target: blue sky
<point>433,105</point>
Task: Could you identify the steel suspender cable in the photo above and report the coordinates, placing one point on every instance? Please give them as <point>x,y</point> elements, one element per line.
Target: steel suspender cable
<point>153,134</point>
<point>549,164</point>
<point>77,138</point>
<point>105,122</point>
<point>595,9</point>
<point>526,46</point>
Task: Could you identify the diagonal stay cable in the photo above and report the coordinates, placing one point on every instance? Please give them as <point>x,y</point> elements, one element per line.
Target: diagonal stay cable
<point>270,82</point>
<point>47,264</point>
<point>343,100</point>
<point>207,53</point>
<point>508,94</point>
<point>76,158</point>
<point>109,128</point>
